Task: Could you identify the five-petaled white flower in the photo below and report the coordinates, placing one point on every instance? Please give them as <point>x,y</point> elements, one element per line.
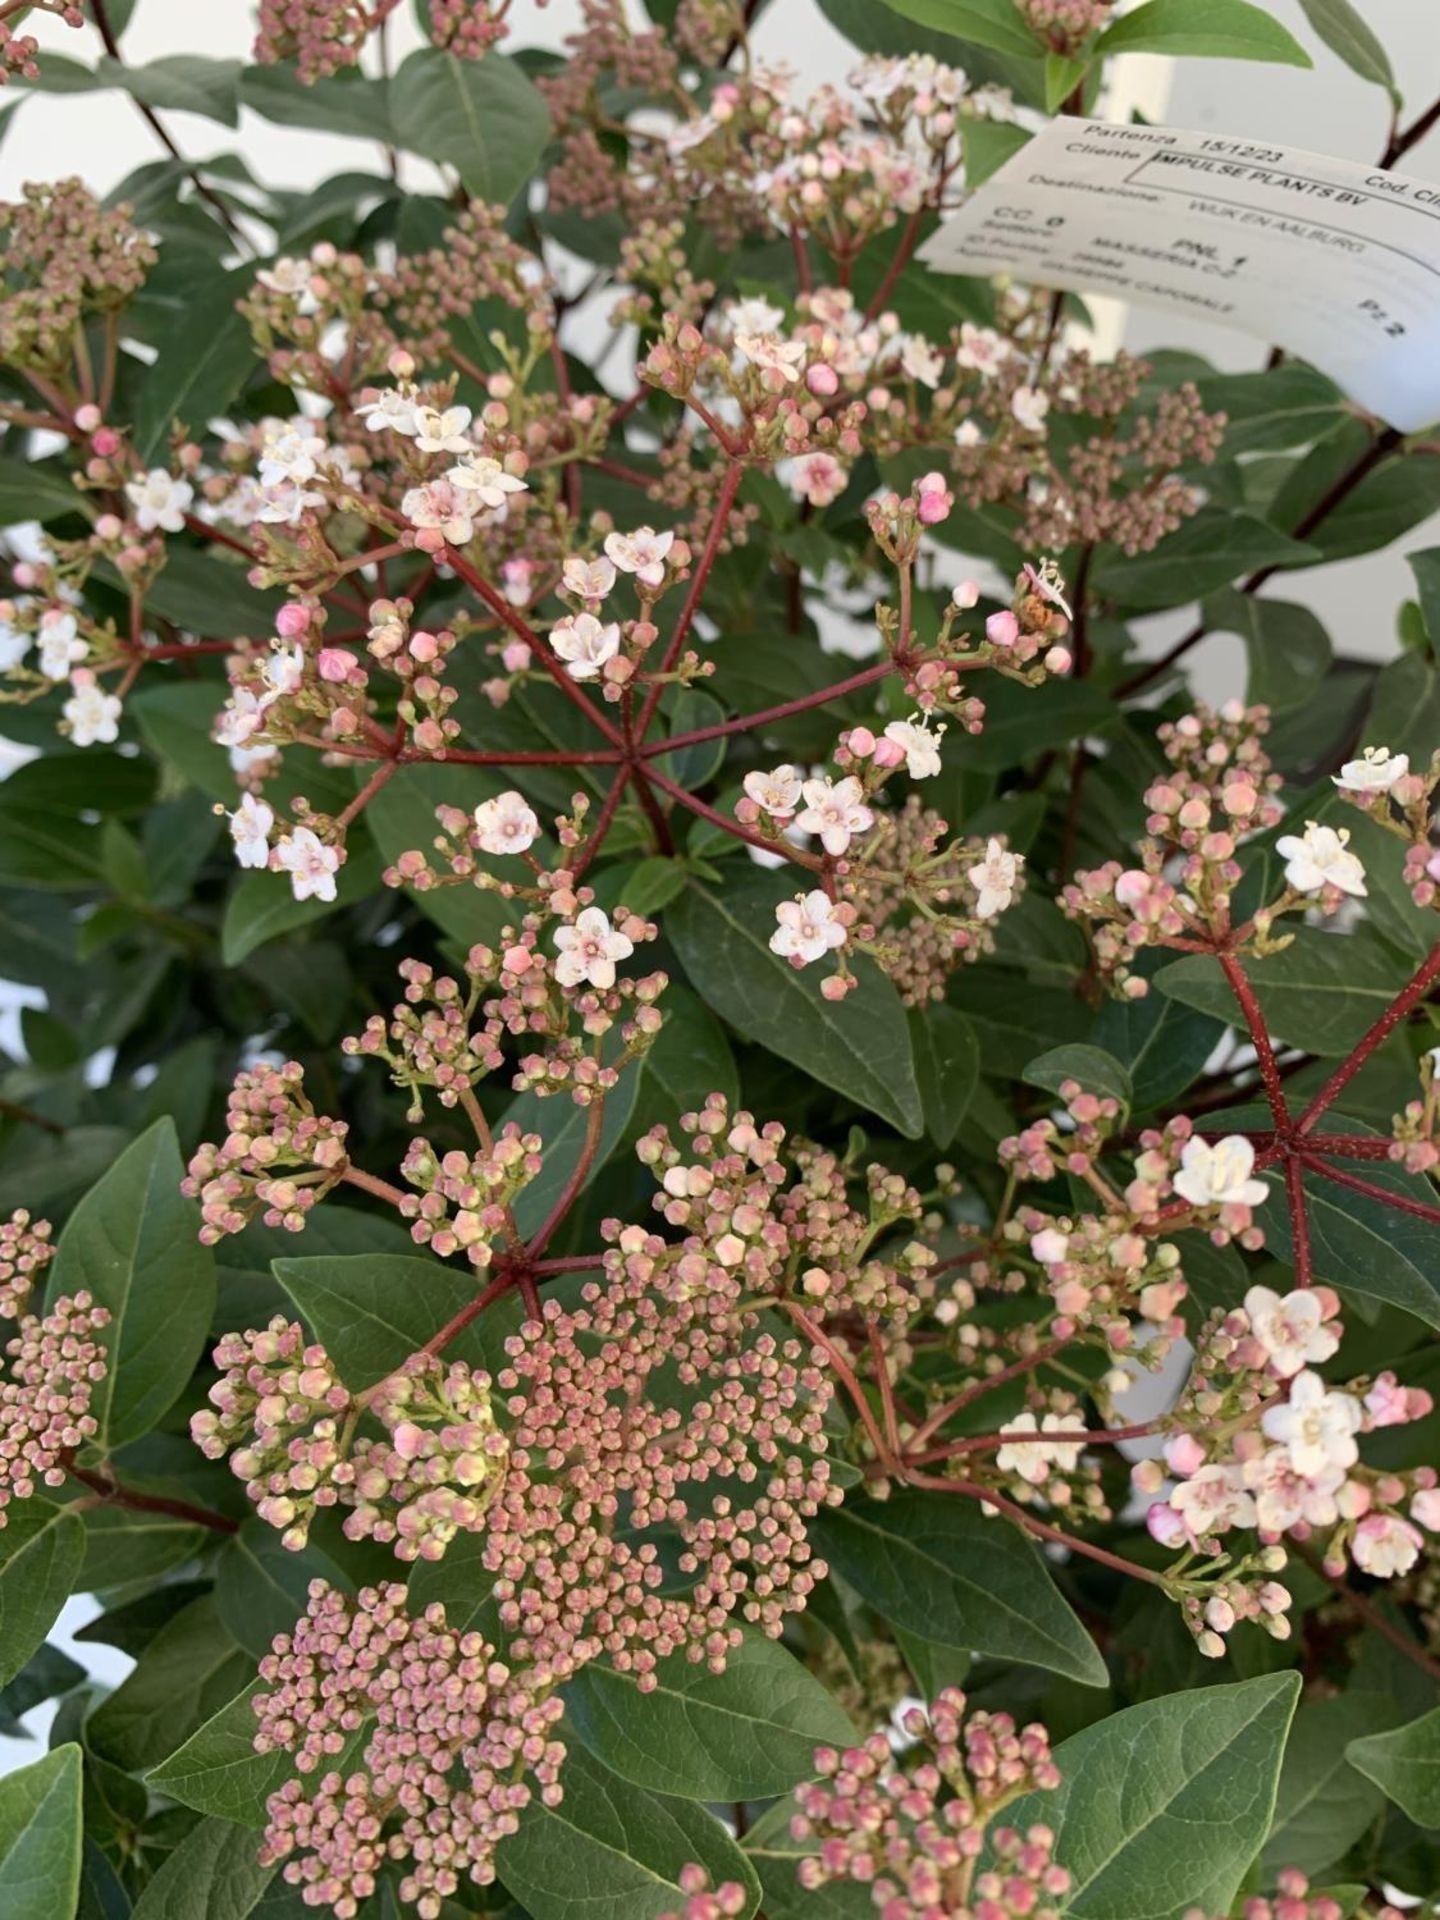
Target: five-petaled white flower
<point>286,276</point>
<point>1033,1459</point>
<point>589,950</point>
<point>1376,771</point>
<point>777,792</point>
<point>753,316</point>
<point>1219,1175</point>
<point>505,824</point>
<point>1290,1328</point>
<point>14,645</point>
<point>61,646</point>
<point>290,456</point>
<point>772,355</point>
<point>994,879</point>
<point>1284,1496</point>
<point>807,929</point>
<point>284,670</point>
<point>1030,406</point>
<point>485,480</point>
<point>390,409</point>
<point>438,431</point>
<point>642,553</point>
<point>584,644</point>
<point>1214,1499</point>
<point>1322,858</point>
<point>921,747</point>
<point>981,348</point>
<point>817,477</point>
<point>588,579</point>
<point>311,865</point>
<point>242,716</point>
<point>1386,1546</point>
<point>1316,1426</point>
<point>250,826</point>
<point>160,501</point>
<point>92,715</point>
<point>441,505</point>
<point>835,810</point>
<point>919,361</point>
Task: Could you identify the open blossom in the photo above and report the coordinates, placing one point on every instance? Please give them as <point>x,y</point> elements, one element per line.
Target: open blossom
<point>242,716</point>
<point>642,553</point>
<point>250,826</point>
<point>485,480</point>
<point>1316,1425</point>
<point>438,431</point>
<point>919,361</point>
<point>1290,1328</point>
<point>818,477</point>
<point>311,865</point>
<point>589,950</point>
<point>584,644</point>
<point>1219,1175</point>
<point>777,792</point>
<point>1321,858</point>
<point>1033,1459</point>
<point>390,410</point>
<point>835,811</point>
<point>61,646</point>
<point>772,354</point>
<point>92,715</point>
<point>1285,1497</point>
<point>284,671</point>
<point>1213,1500</point>
<point>1376,771</point>
<point>441,507</point>
<point>753,316</point>
<point>1030,406</point>
<point>589,579</point>
<point>506,824</point>
<point>994,879</point>
<point>921,747</point>
<point>160,501</point>
<point>286,275</point>
<point>807,928</point>
<point>1386,1546</point>
<point>291,455</point>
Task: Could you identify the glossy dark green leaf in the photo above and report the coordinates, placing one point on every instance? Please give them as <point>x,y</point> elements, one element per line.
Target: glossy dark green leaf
<point>1215,29</point>
<point>201,364</point>
<point>339,103</point>
<point>776,1855</point>
<point>262,906</point>
<point>41,1548</point>
<point>123,1544</point>
<point>218,1771</point>
<point>181,82</point>
<point>1289,650</point>
<point>372,1311</point>
<point>933,1564</point>
<point>1096,1071</point>
<point>1323,1805</point>
<point>1389,501</point>
<point>1021,723</point>
<point>1405,1765</point>
<point>1210,550</point>
<point>262,1586</point>
<point>402,817</point>
<point>46,1673</point>
<point>1322,992</point>
<point>214,1874</point>
<point>564,1128</point>
<point>947,1067</point>
<point>485,118</point>
<point>36,490</point>
<point>40,1836</point>
<point>988,23</point>
<point>1359,1244</point>
<point>187,1673</point>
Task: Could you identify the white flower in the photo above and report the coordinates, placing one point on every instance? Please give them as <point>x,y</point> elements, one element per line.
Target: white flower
<point>1030,406</point>
<point>1284,1497</point>
<point>159,501</point>
<point>505,824</point>
<point>772,354</point>
<point>777,792</point>
<point>485,479</point>
<point>981,348</point>
<point>1321,859</point>
<point>994,879</point>
<point>919,361</point>
<point>1214,1499</point>
<point>589,950</point>
<point>393,410</point>
<point>584,644</point>
<point>284,504</point>
<point>817,477</point>
<point>310,864</point>
<point>1376,771</point>
<point>1385,1546</point>
<point>250,826</point>
<point>14,645</point>
<point>967,434</point>
<point>437,432</point>
<point>641,553</point>
<point>92,714</point>
<point>290,456</point>
<point>921,747</point>
<point>588,579</point>
<point>242,716</point>
<point>806,928</point>
<point>753,316</point>
<point>1290,1328</point>
<point>60,644</point>
<point>286,276</point>
<point>284,670</point>
<point>1033,1459</point>
<point>835,810</point>
<point>442,506</point>
<point>1317,1427</point>
<point>1219,1176</point>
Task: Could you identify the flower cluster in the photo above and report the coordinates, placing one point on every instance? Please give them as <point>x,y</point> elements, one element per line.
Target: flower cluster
<point>323,37</point>
<point>66,258</point>
<point>25,1252</point>
<point>915,1832</point>
<point>55,1362</point>
<point>1293,1899</point>
<point>278,1159</point>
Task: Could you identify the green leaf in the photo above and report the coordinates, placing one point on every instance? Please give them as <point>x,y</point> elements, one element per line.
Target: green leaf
<point>1288,648</point>
<point>200,365</point>
<point>1405,712</point>
<point>776,1856</point>
<point>1358,1243</point>
<point>1323,1805</point>
<point>187,1673</point>
<point>208,597</point>
<point>1097,1072</point>
<point>934,1565</point>
<point>947,1068</point>
<point>1193,29</point>
<point>1389,501</point>
<point>988,145</point>
<point>47,1673</point>
<point>262,1586</point>
<point>218,1771</point>
<point>1425,566</point>
<point>262,906</point>
<point>1272,408</point>
<point>214,1874</point>
<point>1021,723</point>
<point>1162,1808</point>
<point>40,1835</point>
<point>1346,33</point>
<point>36,490</point>
<point>485,118</point>
<point>1212,548</point>
<point>562,1127</point>
<point>372,1311</point>
<point>41,1548</point>
<point>690,1058</point>
<point>1322,992</point>
<point>132,1244</point>
<point>402,817</point>
<point>1405,1765</point>
<point>859,1046</point>
<point>988,23</point>
<point>743,1734</point>
<point>122,1545</point>
<point>612,1852</point>
<point>339,103</point>
<point>181,83</point>
<point>177,721</point>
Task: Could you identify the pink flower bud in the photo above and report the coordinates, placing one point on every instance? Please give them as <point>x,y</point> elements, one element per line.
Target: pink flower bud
<point>861,742</point>
<point>966,595</point>
<point>88,418</point>
<point>1002,629</point>
<point>823,381</point>
<point>1425,1509</point>
<point>335,663</point>
<point>292,620</point>
<point>1184,1454</point>
<point>106,442</point>
<point>889,753</point>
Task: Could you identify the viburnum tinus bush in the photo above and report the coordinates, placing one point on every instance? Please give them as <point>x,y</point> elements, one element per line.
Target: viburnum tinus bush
<point>711,1207</point>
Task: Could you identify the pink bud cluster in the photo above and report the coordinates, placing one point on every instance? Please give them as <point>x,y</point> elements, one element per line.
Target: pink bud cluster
<point>25,1252</point>
<point>66,257</point>
<point>704,1902</point>
<point>55,1362</point>
<point>463,1200</point>
<point>278,1159</point>
<point>914,1832</point>
<point>440,1466</point>
<point>449,1742</point>
<point>1294,1900</point>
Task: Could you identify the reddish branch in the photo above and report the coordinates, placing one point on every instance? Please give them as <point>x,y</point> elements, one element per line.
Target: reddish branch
<point>112,1494</point>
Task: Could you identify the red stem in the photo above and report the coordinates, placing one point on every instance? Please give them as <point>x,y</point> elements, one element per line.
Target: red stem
<point>977,1388</point>
<point>748,722</point>
<point>729,487</point>
<point>1410,996</point>
<point>1259,1038</point>
<point>1299,1219</point>
<point>1400,1201</point>
<point>796,855</point>
<point>595,1120</point>
<point>118,1496</point>
<point>1040,1527</point>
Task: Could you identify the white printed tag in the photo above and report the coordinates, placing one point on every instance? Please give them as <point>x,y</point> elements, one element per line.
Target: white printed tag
<point>1336,262</point>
